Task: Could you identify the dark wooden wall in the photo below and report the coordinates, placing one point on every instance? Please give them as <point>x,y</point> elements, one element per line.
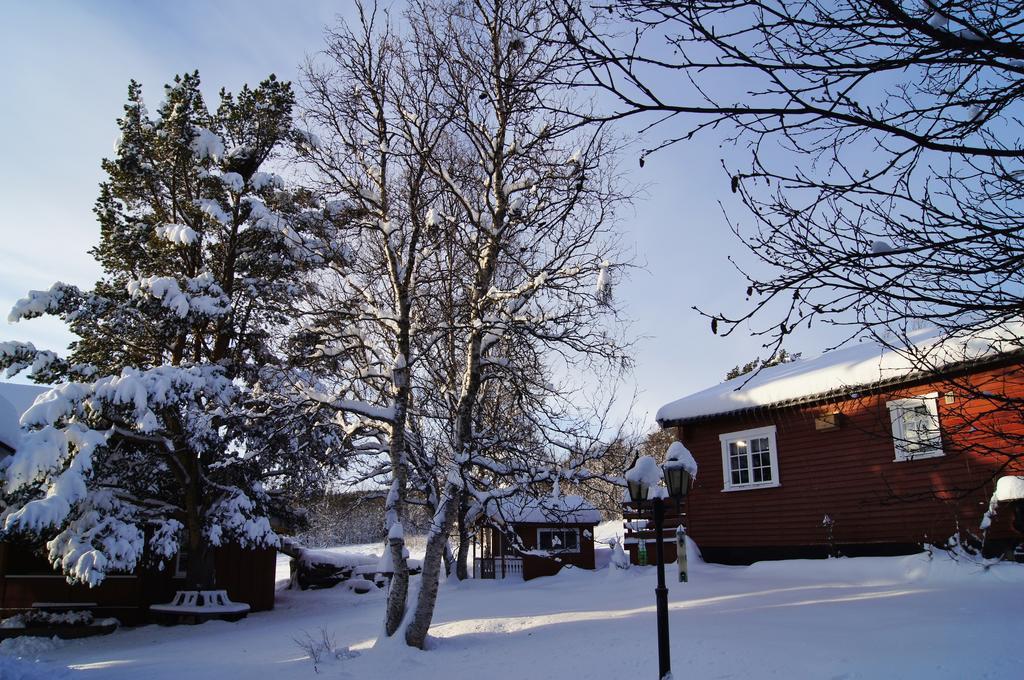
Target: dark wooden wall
<point>26,579</point>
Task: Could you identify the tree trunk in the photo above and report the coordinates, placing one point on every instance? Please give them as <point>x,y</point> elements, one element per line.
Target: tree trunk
<point>462,565</point>
<point>200,572</point>
<point>449,559</point>
<point>444,519</point>
<point>437,542</point>
<point>394,508</point>
<point>398,589</point>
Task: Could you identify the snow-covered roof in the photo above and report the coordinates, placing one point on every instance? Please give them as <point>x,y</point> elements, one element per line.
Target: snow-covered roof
<point>844,370</point>
<point>14,401</point>
<point>546,510</point>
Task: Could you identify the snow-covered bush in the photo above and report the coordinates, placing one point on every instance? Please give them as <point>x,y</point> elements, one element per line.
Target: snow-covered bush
<point>620,559</point>
<point>1009,489</point>
<point>38,617</point>
<point>320,648</point>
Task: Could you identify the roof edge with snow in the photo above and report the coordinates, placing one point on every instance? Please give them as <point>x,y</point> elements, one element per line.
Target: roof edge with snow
<point>847,371</point>
<point>521,509</point>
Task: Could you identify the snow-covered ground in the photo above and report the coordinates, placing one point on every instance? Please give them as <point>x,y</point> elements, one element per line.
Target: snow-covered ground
<point>899,617</point>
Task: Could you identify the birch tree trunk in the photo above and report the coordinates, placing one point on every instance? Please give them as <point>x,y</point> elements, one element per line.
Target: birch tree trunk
<point>398,589</point>
<point>462,563</point>
<point>419,625</point>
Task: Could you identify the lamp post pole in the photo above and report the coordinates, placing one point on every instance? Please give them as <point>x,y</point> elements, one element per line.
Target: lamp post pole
<point>661,592</point>
<point>641,479</point>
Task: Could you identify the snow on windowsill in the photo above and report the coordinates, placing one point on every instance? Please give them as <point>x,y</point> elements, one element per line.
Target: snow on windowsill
<point>751,487</point>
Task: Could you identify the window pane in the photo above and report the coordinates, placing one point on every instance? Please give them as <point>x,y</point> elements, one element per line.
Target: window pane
<point>571,539</point>
<point>545,540</point>
<point>761,462</point>
<point>920,429</point>
<point>739,464</point>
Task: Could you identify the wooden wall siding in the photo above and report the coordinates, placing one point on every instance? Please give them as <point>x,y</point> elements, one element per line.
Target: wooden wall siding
<point>247,575</point>
<point>850,474</point>
<point>535,566</point>
<point>673,518</point>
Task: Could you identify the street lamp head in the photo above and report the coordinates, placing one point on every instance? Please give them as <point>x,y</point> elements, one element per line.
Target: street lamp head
<point>679,468</point>
<point>637,490</point>
<point>677,481</point>
<point>641,478</point>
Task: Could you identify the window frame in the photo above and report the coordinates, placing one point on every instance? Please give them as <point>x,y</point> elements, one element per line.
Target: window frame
<point>896,408</point>
<point>563,531</point>
<point>767,432</point>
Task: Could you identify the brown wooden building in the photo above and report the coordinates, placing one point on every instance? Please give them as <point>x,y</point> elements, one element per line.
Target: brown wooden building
<point>27,580</point>
<point>525,538</point>
<point>853,452</point>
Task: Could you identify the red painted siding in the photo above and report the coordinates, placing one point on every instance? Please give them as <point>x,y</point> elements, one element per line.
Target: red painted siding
<point>850,474</point>
<point>534,566</point>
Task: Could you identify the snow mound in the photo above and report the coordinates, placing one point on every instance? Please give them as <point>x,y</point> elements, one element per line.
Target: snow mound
<point>680,456</point>
<point>1009,489</point>
<point>646,471</point>
<point>340,560</point>
<point>21,669</point>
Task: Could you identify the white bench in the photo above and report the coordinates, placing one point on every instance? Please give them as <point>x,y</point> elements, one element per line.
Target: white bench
<point>202,605</point>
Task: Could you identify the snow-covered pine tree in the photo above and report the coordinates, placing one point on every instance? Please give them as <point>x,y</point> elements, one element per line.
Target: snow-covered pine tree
<point>159,434</point>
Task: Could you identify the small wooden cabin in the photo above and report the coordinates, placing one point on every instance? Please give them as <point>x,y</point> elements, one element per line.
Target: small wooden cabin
<point>522,537</point>
<point>28,581</point>
<point>853,452</point>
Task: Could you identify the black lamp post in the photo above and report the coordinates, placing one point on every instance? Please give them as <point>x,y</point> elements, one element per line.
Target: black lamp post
<point>639,480</point>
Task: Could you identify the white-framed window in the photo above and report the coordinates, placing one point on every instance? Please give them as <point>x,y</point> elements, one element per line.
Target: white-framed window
<point>915,427</point>
<point>559,540</point>
<point>750,459</point>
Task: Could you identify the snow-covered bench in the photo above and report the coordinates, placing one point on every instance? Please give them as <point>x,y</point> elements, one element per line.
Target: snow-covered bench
<point>196,606</point>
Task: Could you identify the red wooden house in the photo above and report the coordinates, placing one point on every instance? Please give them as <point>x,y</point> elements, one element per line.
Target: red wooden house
<point>855,451</point>
<point>28,581</point>
<point>522,537</point>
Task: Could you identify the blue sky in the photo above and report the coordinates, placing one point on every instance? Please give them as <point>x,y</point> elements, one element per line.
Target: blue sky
<point>67,67</point>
